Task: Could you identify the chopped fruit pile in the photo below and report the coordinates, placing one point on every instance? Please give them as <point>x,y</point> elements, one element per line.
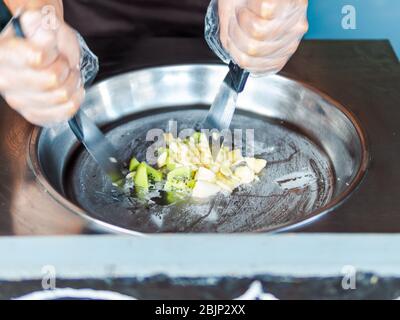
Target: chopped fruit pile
<point>187,168</point>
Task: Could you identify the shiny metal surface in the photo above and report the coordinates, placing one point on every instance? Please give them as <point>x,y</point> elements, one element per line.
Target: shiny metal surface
<point>318,118</point>
<point>223,107</point>
<point>102,151</point>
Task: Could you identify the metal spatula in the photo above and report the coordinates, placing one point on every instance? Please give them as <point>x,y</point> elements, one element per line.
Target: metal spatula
<point>102,151</point>
<point>221,112</point>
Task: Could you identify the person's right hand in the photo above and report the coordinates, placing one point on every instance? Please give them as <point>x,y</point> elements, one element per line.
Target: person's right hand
<point>39,75</point>
<point>262,35</point>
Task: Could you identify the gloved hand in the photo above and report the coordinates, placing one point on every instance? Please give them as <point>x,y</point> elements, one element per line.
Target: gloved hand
<point>262,35</point>
<point>39,75</point>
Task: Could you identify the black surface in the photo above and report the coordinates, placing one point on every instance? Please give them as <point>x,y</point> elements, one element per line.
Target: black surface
<point>362,75</point>
<point>368,286</point>
<point>139,18</point>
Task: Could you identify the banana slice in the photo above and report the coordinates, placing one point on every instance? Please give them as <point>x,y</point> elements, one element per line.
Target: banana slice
<point>228,184</point>
<point>204,189</point>
<point>226,170</point>
<point>162,159</point>
<point>168,137</point>
<point>245,174</point>
<point>256,164</point>
<point>205,175</point>
<point>224,186</point>
<point>235,156</point>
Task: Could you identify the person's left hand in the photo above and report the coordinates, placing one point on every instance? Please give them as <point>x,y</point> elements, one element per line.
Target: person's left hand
<point>262,35</point>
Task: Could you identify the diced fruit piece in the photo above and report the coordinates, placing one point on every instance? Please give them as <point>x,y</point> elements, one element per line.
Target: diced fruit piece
<point>170,159</point>
<point>120,183</point>
<point>235,156</point>
<point>203,139</point>
<point>206,157</point>
<point>179,173</point>
<point>260,165</point>
<point>173,197</point>
<point>215,135</point>
<point>245,174</point>
<point>222,156</point>
<point>194,150</point>
<point>256,164</point>
<point>226,170</point>
<point>130,175</point>
<point>176,186</point>
<point>177,180</point>
<point>231,182</point>
<point>195,161</point>
<point>174,147</point>
<point>205,152</point>
<point>223,186</point>
<point>153,174</point>
<point>171,166</point>
<point>170,197</point>
<point>141,180</point>
<point>196,137</point>
<point>204,189</point>
<point>191,183</point>
<point>162,159</point>
<point>215,168</point>
<point>168,137</point>
<point>133,164</point>
<point>183,149</point>
<point>205,175</point>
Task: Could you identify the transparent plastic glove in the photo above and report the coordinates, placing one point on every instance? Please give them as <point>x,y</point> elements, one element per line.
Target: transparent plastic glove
<point>259,35</point>
<point>40,75</point>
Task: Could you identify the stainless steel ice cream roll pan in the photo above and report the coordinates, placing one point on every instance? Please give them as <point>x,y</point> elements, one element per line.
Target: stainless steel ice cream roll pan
<point>316,151</point>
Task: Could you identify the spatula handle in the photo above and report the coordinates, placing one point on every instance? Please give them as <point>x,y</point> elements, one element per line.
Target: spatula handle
<point>238,77</point>
<point>19,33</point>
<point>16,23</point>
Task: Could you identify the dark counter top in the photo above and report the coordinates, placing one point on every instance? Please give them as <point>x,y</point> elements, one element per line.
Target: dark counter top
<point>362,75</point>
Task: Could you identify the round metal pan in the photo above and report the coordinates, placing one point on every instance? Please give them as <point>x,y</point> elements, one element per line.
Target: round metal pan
<point>316,152</point>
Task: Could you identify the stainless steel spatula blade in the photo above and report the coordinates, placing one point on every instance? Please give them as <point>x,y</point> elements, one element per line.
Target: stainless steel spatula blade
<point>97,145</point>
<point>223,108</point>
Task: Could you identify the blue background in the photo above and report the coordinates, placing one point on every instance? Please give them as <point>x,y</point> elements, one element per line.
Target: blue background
<point>376,19</point>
